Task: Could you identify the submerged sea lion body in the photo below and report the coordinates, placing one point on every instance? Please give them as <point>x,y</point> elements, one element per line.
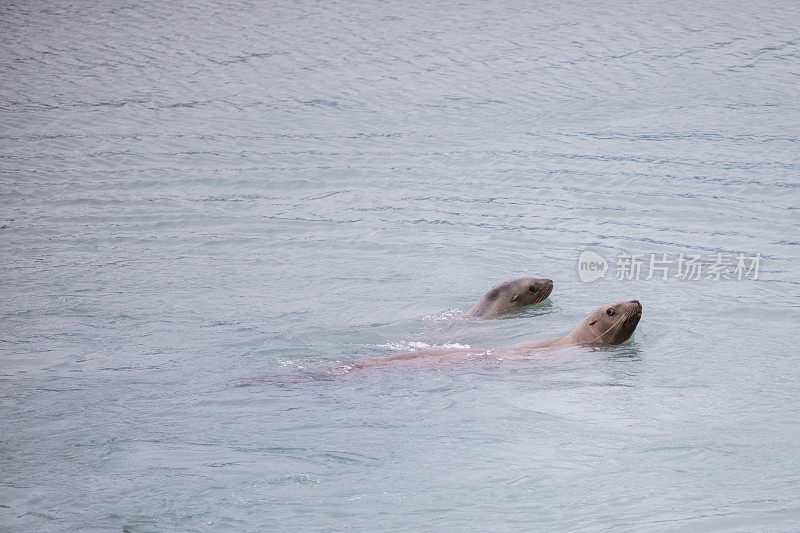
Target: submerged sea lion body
<point>512,295</point>
<point>608,325</point>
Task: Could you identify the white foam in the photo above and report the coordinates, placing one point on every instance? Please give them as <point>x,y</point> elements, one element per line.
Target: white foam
<point>418,345</point>
<point>444,316</point>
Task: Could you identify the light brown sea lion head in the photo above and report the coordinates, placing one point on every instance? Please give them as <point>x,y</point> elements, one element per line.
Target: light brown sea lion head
<point>610,324</point>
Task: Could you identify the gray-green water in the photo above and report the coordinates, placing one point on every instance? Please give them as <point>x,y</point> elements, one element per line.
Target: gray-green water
<point>206,205</point>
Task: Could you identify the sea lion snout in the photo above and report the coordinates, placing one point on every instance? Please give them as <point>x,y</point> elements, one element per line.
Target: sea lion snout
<point>545,285</point>
<point>632,317</point>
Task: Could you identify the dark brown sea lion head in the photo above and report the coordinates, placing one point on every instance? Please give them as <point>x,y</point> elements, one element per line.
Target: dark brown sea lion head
<point>512,295</point>
<point>528,291</point>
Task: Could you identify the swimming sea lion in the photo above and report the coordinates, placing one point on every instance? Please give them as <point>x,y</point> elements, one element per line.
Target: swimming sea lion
<point>611,324</point>
<point>608,325</point>
<point>512,295</point>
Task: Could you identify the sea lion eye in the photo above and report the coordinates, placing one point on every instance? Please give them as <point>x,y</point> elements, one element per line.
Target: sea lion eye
<point>532,288</point>
<point>610,311</point>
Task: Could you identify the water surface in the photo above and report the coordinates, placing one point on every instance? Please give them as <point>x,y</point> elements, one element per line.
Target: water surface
<point>206,205</point>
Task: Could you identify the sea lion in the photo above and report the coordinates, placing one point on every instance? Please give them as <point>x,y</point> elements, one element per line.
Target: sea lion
<point>512,295</point>
<point>610,324</point>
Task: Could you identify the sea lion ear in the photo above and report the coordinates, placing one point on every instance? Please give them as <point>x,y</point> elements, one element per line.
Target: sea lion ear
<point>514,298</point>
<point>592,322</point>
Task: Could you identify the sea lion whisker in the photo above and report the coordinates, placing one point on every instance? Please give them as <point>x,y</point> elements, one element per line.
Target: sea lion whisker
<point>621,319</point>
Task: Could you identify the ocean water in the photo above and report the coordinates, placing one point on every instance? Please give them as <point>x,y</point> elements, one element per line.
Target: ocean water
<point>206,208</point>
